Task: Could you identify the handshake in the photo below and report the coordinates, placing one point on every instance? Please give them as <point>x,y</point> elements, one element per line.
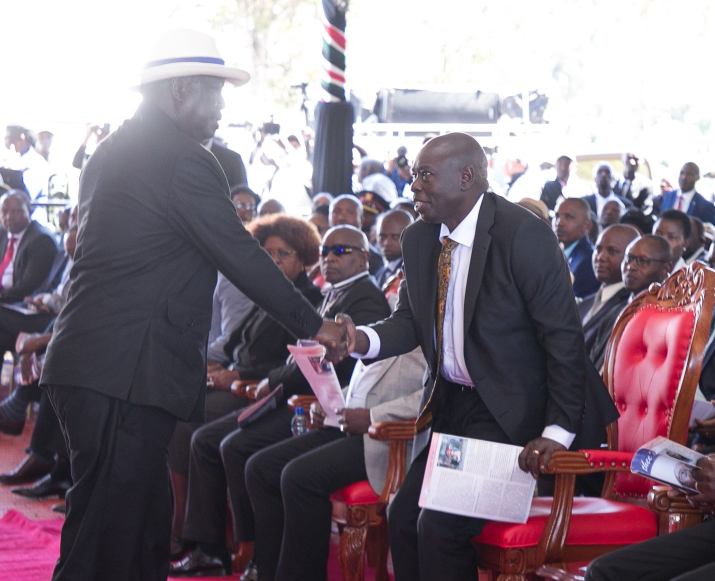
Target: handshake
<point>340,338</point>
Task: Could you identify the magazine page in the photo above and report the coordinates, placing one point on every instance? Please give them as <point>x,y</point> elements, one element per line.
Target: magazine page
<point>476,478</point>
<point>309,355</point>
<point>667,462</point>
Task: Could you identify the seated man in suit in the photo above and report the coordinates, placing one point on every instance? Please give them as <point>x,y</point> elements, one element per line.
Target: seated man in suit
<point>220,450</point>
<point>599,311</point>
<point>647,259</point>
<point>611,214</point>
<point>674,226</point>
<point>347,209</point>
<point>290,483</point>
<point>389,230</point>
<point>696,250</point>
<point>604,177</point>
<point>687,555</point>
<point>47,306</point>
<point>28,249</point>
<point>686,199</point>
<point>572,222</point>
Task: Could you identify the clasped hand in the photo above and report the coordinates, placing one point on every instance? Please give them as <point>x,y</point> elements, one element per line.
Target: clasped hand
<point>338,337</point>
<point>537,453</point>
<point>351,420</point>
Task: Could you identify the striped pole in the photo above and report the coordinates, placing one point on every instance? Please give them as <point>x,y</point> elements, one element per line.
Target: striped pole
<point>332,78</point>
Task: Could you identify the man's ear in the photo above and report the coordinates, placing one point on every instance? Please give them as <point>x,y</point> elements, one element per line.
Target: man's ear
<point>179,88</point>
<point>467,178</point>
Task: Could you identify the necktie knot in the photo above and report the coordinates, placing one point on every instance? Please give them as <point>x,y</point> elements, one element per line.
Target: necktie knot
<point>448,245</point>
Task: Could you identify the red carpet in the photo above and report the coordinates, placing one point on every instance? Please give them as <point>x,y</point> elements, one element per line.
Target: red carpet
<point>29,549</point>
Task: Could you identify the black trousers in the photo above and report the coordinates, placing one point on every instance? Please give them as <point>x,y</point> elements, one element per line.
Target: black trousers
<point>118,520</point>
<point>427,545</point>
<point>219,453</point>
<point>687,555</point>
<point>47,440</point>
<point>290,485</point>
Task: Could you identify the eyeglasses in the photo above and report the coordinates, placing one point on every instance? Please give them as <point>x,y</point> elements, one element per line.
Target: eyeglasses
<point>641,261</point>
<point>245,206</point>
<point>338,249</point>
<point>280,253</point>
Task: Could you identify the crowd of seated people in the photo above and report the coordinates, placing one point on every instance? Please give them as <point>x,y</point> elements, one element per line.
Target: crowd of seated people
<point>275,489</point>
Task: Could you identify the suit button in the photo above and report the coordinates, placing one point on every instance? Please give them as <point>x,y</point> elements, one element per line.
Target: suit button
<point>191,322</point>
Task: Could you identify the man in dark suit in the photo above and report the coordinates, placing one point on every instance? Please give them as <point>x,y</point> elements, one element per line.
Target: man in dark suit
<point>686,199</point>
<point>389,231</point>
<point>28,249</point>
<point>220,450</point>
<point>128,353</point>
<point>508,286</point>
<point>687,555</point>
<point>647,259</point>
<point>603,175</point>
<point>599,311</point>
<point>553,190</point>
<point>572,222</point>
<point>230,162</point>
<point>632,185</point>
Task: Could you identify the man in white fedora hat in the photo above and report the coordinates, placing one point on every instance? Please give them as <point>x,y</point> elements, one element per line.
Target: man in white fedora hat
<point>128,354</point>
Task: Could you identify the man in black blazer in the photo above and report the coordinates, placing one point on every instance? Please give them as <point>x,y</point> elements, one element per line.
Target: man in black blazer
<point>220,450</point>
<point>390,226</point>
<point>34,248</point>
<point>514,368</point>
<point>599,311</point>
<point>603,175</point>
<point>128,353</point>
<point>553,190</point>
<point>572,222</point>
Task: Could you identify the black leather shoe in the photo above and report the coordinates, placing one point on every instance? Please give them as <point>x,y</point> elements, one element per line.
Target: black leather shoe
<point>61,508</point>
<point>196,563</point>
<point>44,488</point>
<point>11,427</point>
<point>29,470</point>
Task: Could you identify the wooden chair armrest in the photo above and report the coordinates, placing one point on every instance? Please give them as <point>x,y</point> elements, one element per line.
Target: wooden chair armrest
<point>588,462</point>
<point>245,388</point>
<point>304,401</point>
<point>402,430</point>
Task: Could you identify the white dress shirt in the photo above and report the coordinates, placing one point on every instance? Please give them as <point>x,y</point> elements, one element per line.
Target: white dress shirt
<point>601,201</point>
<point>454,367</point>
<point>687,198</point>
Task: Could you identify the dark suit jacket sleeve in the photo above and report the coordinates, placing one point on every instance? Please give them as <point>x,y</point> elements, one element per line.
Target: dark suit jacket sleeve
<point>541,275</point>
<point>199,208</point>
<point>32,268</point>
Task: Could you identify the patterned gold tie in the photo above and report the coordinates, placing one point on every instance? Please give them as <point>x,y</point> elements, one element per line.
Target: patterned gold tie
<point>444,268</point>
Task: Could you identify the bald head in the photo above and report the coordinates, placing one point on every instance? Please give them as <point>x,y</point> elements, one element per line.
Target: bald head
<point>609,250</point>
<point>389,230</point>
<point>344,253</point>
<point>450,174</point>
<point>572,220</point>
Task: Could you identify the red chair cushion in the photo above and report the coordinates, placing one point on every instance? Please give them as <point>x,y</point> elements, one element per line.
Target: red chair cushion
<point>594,521</point>
<point>648,368</point>
<point>356,493</point>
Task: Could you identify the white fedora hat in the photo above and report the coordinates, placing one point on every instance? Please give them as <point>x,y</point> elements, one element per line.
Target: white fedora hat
<point>186,53</point>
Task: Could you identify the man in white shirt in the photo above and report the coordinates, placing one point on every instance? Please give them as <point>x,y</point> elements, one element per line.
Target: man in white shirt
<point>501,335</point>
<point>603,176</point>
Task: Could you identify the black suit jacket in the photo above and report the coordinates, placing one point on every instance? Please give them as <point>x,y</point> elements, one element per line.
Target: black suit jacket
<point>365,303</point>
<point>155,224</point>
<point>597,329</point>
<point>551,193</point>
<point>33,260</point>
<point>585,282</point>
<point>260,343</point>
<point>524,345</point>
<point>231,164</point>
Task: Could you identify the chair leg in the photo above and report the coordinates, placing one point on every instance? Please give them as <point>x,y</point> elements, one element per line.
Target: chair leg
<point>352,553</point>
<point>242,556</point>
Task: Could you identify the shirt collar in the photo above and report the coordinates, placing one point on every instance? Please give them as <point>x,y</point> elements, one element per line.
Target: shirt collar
<point>570,248</point>
<point>465,231</point>
<point>609,290</point>
<point>343,283</point>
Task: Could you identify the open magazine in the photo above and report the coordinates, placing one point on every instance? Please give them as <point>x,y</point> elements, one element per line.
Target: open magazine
<point>476,478</point>
<point>666,462</point>
<point>320,374</point>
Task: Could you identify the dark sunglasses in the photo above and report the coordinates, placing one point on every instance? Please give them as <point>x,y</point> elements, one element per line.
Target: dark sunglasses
<point>338,249</point>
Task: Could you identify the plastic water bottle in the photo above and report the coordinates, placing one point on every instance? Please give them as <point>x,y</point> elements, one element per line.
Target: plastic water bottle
<point>299,423</point>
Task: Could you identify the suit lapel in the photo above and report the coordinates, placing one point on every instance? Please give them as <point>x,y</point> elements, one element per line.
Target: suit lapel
<point>480,247</point>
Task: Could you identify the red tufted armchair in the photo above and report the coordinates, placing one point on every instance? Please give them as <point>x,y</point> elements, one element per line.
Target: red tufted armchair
<point>652,368</point>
